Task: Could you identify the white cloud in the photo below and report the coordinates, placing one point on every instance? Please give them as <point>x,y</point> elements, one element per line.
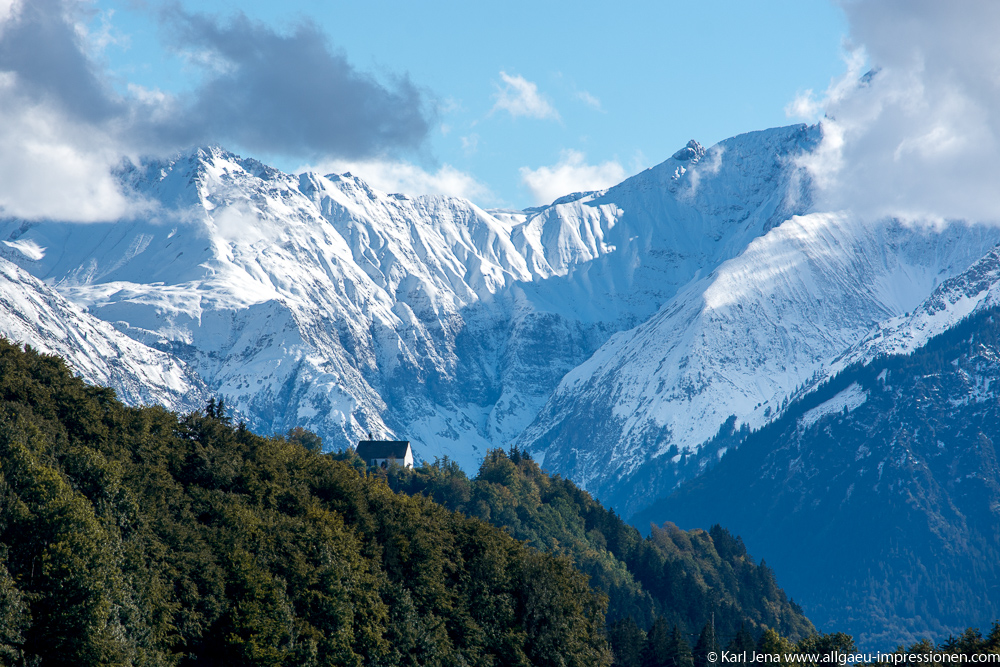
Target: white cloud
<point>7,10</point>
<point>98,40</point>
<point>806,107</point>
<point>53,167</point>
<point>470,143</point>
<point>571,174</point>
<point>54,162</point>
<point>449,105</point>
<point>153,97</point>
<point>708,166</point>
<point>520,97</point>
<point>589,100</point>
<point>407,178</point>
<point>919,138</point>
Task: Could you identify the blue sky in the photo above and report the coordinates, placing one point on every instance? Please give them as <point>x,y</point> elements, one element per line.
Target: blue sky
<point>521,101</point>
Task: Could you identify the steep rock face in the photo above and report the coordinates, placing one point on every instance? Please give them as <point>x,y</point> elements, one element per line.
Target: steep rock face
<point>33,313</point>
<point>317,301</point>
<point>876,497</point>
<point>631,421</point>
<point>621,253</point>
<point>606,261</point>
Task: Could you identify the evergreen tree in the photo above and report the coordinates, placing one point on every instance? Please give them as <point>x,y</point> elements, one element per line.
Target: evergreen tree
<point>304,437</point>
<point>707,643</point>
<point>923,646</point>
<point>14,619</point>
<point>626,640</point>
<point>742,641</point>
<point>658,645</point>
<point>823,644</point>
<point>771,643</point>
<point>993,639</point>
<point>971,642</point>
<point>679,651</point>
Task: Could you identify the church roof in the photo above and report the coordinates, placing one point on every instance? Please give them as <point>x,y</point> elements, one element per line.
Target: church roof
<point>382,449</point>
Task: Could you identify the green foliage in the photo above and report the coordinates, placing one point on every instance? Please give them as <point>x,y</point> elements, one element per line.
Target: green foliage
<point>306,438</point>
<point>665,647</point>
<point>14,619</point>
<point>135,537</point>
<point>742,641</point>
<point>707,643</point>
<point>969,643</point>
<point>627,641</point>
<point>685,578</point>
<point>656,651</point>
<point>771,642</point>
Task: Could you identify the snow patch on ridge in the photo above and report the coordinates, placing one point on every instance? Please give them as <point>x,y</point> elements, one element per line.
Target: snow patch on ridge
<point>849,399</point>
<point>975,289</point>
<point>28,248</point>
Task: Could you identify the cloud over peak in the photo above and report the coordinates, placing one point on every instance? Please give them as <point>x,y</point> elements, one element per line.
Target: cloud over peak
<point>571,174</point>
<point>917,137</point>
<point>289,93</point>
<point>63,128</point>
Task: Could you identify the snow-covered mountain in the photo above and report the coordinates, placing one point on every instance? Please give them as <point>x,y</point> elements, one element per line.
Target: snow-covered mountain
<point>302,300</point>
<point>612,331</point>
<point>739,342</point>
<point>975,289</point>
<point>33,313</point>
<point>318,301</point>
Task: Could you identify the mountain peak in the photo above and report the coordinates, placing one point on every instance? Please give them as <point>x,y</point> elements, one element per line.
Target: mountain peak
<point>692,151</point>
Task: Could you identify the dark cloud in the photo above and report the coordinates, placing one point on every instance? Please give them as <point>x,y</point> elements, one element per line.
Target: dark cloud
<point>41,46</point>
<point>281,93</point>
<point>289,93</point>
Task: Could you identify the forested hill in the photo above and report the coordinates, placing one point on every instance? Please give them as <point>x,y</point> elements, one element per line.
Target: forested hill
<point>683,578</point>
<point>135,537</point>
